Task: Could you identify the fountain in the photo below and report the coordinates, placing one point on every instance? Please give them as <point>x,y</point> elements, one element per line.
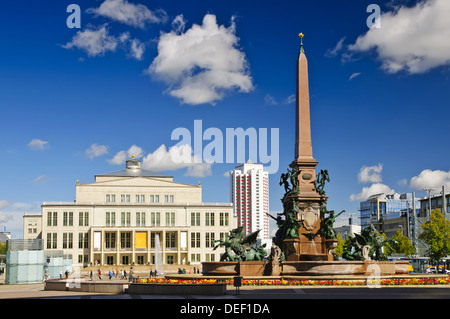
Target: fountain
<point>305,241</point>
<point>158,256</point>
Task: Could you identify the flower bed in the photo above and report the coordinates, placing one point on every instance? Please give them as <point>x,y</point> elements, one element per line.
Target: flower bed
<point>303,282</point>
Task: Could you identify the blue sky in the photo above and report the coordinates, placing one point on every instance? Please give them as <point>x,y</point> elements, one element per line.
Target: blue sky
<point>75,102</point>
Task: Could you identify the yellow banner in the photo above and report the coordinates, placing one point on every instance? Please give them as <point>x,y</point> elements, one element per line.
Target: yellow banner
<point>141,240</point>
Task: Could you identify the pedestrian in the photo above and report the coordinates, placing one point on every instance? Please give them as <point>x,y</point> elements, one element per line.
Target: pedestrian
<point>110,274</point>
<point>151,273</point>
<point>156,273</point>
<point>99,274</point>
<point>60,274</point>
<point>90,275</point>
<point>131,274</point>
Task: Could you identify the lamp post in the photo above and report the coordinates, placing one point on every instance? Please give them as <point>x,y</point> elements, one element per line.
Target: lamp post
<point>429,200</point>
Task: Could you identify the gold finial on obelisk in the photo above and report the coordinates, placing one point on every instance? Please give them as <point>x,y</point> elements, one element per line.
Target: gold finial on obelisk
<point>301,35</point>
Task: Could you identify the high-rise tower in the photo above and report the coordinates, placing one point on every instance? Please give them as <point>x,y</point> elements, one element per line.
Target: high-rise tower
<point>250,197</point>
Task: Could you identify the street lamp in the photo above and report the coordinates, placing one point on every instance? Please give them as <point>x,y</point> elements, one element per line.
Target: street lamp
<point>429,199</point>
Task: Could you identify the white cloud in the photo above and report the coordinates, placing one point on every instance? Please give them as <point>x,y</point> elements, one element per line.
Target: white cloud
<point>199,170</point>
<point>41,179</point>
<point>163,159</point>
<point>4,204</point>
<point>137,49</point>
<point>373,189</point>
<point>119,158</point>
<point>412,39</point>
<point>431,179</point>
<point>136,15</point>
<point>336,49</point>
<point>201,64</point>
<point>270,100</point>
<point>370,174</point>
<point>354,75</point>
<point>4,218</point>
<point>178,24</point>
<point>38,145</point>
<point>93,42</point>
<point>96,150</point>
<point>11,215</point>
<point>290,99</point>
<point>167,160</point>
<point>122,156</point>
<point>98,41</point>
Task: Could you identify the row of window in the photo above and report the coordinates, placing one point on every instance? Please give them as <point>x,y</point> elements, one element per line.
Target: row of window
<point>139,198</point>
<point>110,260</point>
<point>125,240</point>
<point>210,219</point>
<point>140,220</point>
<point>83,218</point>
<point>209,239</point>
<point>67,240</point>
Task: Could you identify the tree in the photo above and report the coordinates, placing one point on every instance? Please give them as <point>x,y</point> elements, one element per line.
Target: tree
<point>340,245</point>
<point>436,235</point>
<point>401,244</point>
<point>2,248</point>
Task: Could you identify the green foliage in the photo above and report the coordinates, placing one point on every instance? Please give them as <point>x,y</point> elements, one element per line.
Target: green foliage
<point>401,244</point>
<point>436,234</point>
<point>2,248</point>
<point>339,250</point>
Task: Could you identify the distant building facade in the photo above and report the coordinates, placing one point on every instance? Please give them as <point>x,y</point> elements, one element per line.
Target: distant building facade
<point>250,197</point>
<point>436,203</point>
<point>390,212</point>
<point>32,225</point>
<point>125,216</point>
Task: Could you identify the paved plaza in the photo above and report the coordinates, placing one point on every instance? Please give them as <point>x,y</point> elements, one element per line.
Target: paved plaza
<point>245,292</point>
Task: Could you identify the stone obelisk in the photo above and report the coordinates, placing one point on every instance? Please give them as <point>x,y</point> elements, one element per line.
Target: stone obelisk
<point>304,160</point>
<point>310,245</point>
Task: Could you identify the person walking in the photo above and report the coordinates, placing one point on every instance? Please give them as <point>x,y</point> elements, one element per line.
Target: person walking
<point>131,275</point>
<point>90,275</point>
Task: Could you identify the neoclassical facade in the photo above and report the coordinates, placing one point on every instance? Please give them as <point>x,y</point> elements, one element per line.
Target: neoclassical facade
<point>132,215</point>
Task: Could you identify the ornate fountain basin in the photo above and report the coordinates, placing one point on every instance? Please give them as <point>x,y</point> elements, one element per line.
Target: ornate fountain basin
<point>233,268</point>
<point>353,268</point>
